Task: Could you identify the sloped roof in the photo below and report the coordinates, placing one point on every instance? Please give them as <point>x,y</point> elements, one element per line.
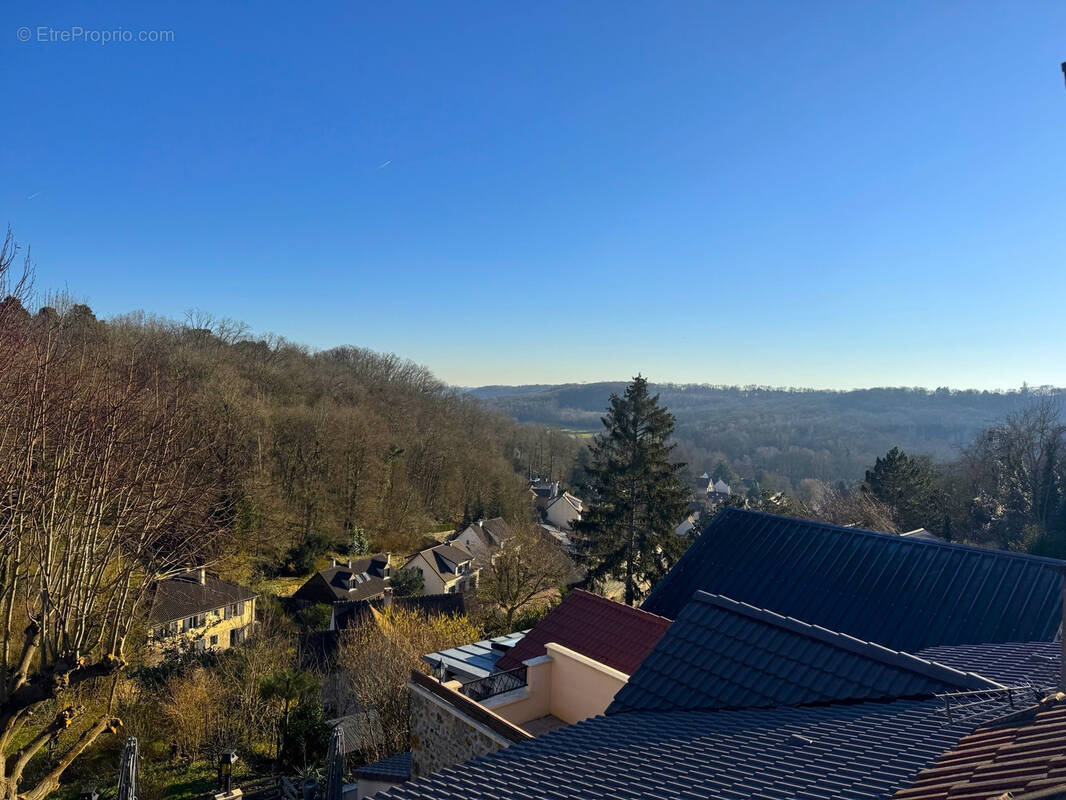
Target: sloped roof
<point>489,534</point>
<point>439,557</point>
<point>722,654</point>
<point>1009,663</point>
<point>331,584</point>
<point>611,633</point>
<point>904,593</point>
<point>393,768</point>
<point>852,751</point>
<point>574,503</point>
<point>1024,752</point>
<point>177,598</point>
<point>498,530</point>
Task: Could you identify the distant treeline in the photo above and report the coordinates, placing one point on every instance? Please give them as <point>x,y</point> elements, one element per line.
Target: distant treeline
<point>778,437</point>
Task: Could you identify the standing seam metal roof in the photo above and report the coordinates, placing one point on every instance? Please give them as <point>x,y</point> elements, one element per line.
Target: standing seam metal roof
<point>904,593</point>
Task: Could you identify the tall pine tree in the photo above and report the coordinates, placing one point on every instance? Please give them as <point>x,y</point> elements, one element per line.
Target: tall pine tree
<point>635,495</point>
<point>909,485</point>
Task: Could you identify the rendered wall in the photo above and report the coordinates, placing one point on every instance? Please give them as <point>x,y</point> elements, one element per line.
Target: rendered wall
<point>565,684</point>
<point>580,687</point>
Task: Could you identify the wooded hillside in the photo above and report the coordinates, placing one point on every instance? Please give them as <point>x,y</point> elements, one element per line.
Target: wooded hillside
<point>782,436</point>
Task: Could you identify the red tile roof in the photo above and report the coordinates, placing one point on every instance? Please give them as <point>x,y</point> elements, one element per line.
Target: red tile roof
<point>611,633</point>
<point>1023,753</point>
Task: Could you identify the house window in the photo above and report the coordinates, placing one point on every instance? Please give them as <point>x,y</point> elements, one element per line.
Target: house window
<point>236,636</point>
<point>201,645</point>
<point>195,621</point>
<point>234,610</point>
<point>214,641</point>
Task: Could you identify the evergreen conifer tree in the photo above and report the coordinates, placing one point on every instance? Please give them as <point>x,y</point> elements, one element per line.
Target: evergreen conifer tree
<point>635,495</point>
<point>909,486</point>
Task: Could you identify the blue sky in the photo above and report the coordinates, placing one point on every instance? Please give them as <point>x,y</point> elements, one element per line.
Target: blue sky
<point>828,194</point>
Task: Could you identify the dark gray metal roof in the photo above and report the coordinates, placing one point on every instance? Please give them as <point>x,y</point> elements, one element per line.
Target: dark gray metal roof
<point>851,751</point>
<point>723,654</point>
<point>903,593</point>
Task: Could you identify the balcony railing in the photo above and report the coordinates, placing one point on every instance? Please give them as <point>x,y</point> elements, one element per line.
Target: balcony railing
<point>497,683</point>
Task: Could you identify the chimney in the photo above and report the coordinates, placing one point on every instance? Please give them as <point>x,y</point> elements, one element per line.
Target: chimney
<point>201,576</point>
<point>333,562</point>
<point>386,597</point>
<point>349,563</point>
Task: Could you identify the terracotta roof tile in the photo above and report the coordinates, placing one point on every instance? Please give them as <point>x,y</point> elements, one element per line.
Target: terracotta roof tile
<point>1025,752</point>
<point>611,633</point>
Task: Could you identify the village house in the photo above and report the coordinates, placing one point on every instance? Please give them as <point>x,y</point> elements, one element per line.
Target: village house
<point>719,490</point>
<point>199,610</point>
<point>360,579</point>
<point>445,569</point>
<point>564,511</point>
<point>483,539</point>
<point>543,493</point>
<point>687,525</point>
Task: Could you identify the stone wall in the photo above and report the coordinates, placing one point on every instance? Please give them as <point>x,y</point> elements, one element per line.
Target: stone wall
<point>441,735</point>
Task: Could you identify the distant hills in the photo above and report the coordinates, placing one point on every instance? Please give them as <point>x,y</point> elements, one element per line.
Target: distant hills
<point>790,433</point>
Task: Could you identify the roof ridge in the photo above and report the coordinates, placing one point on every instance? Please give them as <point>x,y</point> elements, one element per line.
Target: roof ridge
<point>907,540</point>
<point>871,650</point>
<point>642,612</point>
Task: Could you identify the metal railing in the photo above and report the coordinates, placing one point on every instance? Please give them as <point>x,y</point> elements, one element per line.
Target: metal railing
<point>961,705</point>
<point>497,683</point>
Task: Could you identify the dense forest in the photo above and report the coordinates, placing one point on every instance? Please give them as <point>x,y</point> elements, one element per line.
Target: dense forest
<point>135,447</point>
<point>779,437</point>
<point>310,450</point>
<point>343,443</point>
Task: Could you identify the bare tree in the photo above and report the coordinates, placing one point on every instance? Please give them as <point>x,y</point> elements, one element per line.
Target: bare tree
<point>378,656</point>
<point>528,566</point>
<point>104,487</point>
<point>1018,472</point>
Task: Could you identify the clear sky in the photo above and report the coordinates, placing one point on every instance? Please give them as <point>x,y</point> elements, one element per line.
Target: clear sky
<point>827,194</point>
